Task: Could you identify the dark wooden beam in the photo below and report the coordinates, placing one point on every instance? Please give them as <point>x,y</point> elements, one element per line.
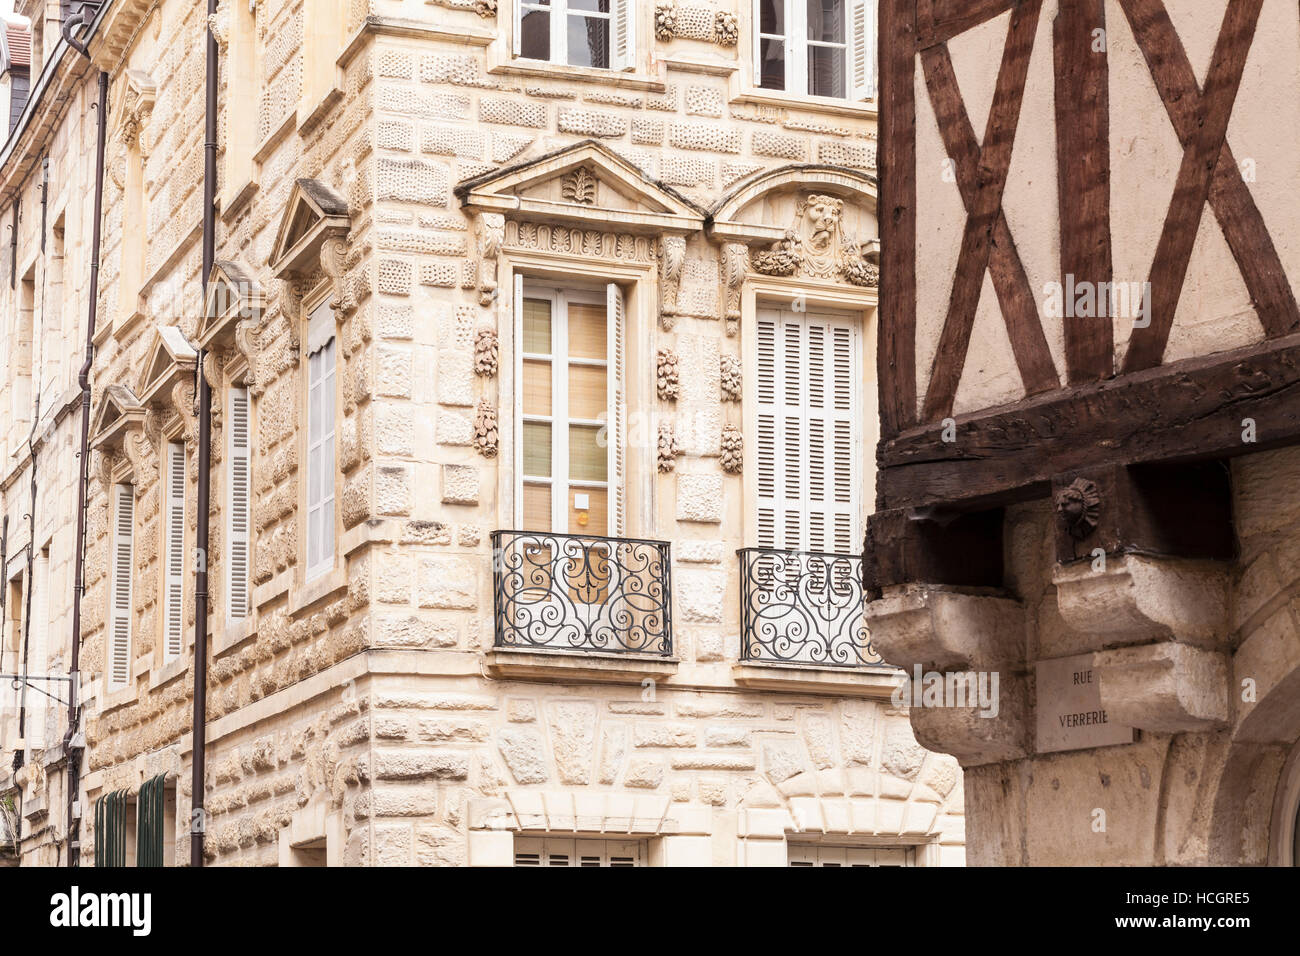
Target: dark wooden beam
<point>973,257</point>
<point>896,356</point>
<point>1083,180</point>
<point>958,550</point>
<point>1185,411</point>
<point>1180,511</point>
<point>938,21</point>
<point>1192,188</point>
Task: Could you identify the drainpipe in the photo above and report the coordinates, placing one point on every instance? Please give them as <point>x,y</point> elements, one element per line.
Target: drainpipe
<point>198,817</point>
<point>13,246</point>
<point>19,753</point>
<point>73,747</point>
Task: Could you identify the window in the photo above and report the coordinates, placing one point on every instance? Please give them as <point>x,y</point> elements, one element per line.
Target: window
<point>816,47</point>
<point>809,396</point>
<point>37,661</point>
<point>119,624</point>
<point>549,851</point>
<point>174,554</point>
<point>320,441</point>
<point>593,33</point>
<point>816,855</point>
<point>243,88</point>
<point>238,508</point>
<point>570,372</point>
<point>325,30</point>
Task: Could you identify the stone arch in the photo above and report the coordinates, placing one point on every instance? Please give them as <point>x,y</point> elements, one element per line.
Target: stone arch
<point>726,219</point>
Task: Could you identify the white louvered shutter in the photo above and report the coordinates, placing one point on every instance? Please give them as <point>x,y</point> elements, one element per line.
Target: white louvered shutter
<point>552,851</point>
<point>808,396</point>
<point>622,34</point>
<point>517,319</point>
<point>174,588</point>
<point>320,459</point>
<point>616,329</point>
<point>239,503</point>
<point>862,49</point>
<point>38,662</point>
<point>119,640</point>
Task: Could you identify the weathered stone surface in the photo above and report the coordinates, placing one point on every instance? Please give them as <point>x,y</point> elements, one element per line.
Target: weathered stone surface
<point>573,740</point>
<point>524,754</point>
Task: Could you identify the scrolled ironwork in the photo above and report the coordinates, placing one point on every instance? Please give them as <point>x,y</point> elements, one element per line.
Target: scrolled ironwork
<point>803,607</point>
<point>581,593</point>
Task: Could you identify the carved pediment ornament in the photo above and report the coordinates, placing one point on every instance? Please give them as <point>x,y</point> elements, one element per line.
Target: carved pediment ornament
<point>734,257</point>
<point>816,246</point>
<point>182,399</point>
<point>579,185</point>
<point>670,269</point>
<point>491,237</point>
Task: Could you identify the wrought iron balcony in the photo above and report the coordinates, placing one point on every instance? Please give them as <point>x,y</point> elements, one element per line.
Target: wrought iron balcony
<point>803,607</point>
<point>581,593</point>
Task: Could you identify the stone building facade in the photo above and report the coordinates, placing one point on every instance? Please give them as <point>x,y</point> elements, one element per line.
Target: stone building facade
<point>450,621</point>
<point>1087,467</point>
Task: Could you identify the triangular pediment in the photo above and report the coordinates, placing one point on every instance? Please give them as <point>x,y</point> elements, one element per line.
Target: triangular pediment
<point>233,294</point>
<point>586,183</point>
<point>171,355</point>
<point>313,213</point>
<point>118,409</point>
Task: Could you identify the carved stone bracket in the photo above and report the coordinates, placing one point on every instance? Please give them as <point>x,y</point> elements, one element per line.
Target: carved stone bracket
<point>182,400</point>
<point>735,255</point>
<point>1166,687</point>
<point>670,269</point>
<point>492,234</point>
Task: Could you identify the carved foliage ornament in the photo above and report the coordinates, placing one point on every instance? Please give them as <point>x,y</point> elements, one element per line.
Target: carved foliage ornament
<point>817,247</point>
<point>486,352</point>
<point>730,374</point>
<point>696,23</point>
<point>1078,507</point>
<point>579,185</point>
<point>668,447</point>
<point>733,446</point>
<point>486,434</point>
<point>670,267</point>
<point>668,380</point>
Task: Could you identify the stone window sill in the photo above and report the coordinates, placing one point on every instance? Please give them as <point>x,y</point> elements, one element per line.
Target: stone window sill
<point>878,682</point>
<point>233,635</point>
<point>547,70</point>
<point>585,666</point>
<point>827,105</point>
<point>319,589</point>
<point>172,669</point>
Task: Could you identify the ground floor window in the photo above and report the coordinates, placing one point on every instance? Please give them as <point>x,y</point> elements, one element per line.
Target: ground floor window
<point>816,854</point>
<point>560,851</point>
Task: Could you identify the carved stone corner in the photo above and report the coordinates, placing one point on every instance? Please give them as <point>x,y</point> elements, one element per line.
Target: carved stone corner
<point>1165,687</point>
<point>978,735</point>
<point>945,630</point>
<point>1136,599</point>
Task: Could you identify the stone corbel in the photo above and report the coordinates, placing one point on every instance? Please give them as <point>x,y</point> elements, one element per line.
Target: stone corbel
<point>942,636</point>
<point>219,24</point>
<point>213,370</point>
<point>140,450</point>
<point>1165,687</point>
<point>670,268</point>
<point>182,399</point>
<point>246,345</point>
<point>1137,599</point>
<point>105,465</point>
<point>333,262</point>
<point>735,262</point>
<point>491,237</point>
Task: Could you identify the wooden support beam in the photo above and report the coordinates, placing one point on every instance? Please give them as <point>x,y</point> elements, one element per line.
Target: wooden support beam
<point>1215,406</point>
<point>1181,511</point>
<point>959,550</point>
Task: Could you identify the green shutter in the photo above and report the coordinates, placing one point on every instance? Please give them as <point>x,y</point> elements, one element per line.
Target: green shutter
<point>110,828</point>
<point>149,822</point>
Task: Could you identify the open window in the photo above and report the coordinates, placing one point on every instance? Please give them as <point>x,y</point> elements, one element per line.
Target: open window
<point>321,459</point>
<point>587,33</point>
<point>816,47</point>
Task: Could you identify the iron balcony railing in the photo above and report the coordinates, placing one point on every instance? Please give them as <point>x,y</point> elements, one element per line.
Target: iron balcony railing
<point>803,607</point>
<point>581,593</point>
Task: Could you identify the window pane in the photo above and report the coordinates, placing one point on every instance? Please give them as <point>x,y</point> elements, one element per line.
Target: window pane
<point>537,509</point>
<point>589,41</point>
<point>826,20</point>
<point>537,449</point>
<point>537,387</point>
<point>587,330</point>
<point>535,34</point>
<point>597,512</point>
<point>596,6</point>
<point>588,391</point>
<point>772,65</point>
<point>826,71</point>
<point>771,17</point>
<point>537,326</point>
<point>588,458</point>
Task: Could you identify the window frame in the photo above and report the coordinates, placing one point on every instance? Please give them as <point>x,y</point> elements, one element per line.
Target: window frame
<point>621,52</point>
<point>797,43</point>
<point>560,479</point>
<point>322,333</point>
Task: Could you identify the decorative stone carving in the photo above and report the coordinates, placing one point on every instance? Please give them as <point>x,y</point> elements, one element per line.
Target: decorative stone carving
<point>213,369</point>
<point>668,447</point>
<point>105,463</point>
<point>487,9</point>
<point>665,21</point>
<point>140,452</point>
<point>579,185</point>
<point>486,352</point>
<point>486,433</point>
<point>1078,507</point>
<point>817,247</point>
<point>490,238</point>
<point>219,24</point>
<point>674,258</point>
<point>733,446</point>
<point>734,255</point>
<point>668,382</point>
<point>730,376</point>
<point>587,243</point>
<point>183,401</point>
<point>726,28</point>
